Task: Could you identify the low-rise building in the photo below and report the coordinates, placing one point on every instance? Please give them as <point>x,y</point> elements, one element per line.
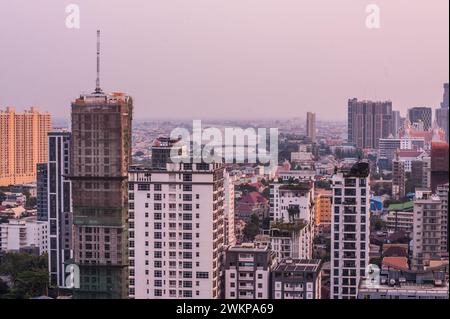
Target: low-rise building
<point>247,270</point>
<point>250,204</point>
<point>297,279</point>
<point>19,234</point>
<point>394,283</point>
<point>400,217</point>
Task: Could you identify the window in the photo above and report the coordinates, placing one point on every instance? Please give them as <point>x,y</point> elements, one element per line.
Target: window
<point>143,187</point>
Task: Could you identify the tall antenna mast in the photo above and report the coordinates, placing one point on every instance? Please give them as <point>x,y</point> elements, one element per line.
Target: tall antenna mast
<point>98,90</point>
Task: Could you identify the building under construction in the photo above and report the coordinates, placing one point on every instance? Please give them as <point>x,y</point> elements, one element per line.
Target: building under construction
<point>100,158</point>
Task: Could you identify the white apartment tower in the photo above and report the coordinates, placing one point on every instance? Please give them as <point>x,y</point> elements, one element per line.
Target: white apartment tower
<point>176,231</point>
<point>350,230</point>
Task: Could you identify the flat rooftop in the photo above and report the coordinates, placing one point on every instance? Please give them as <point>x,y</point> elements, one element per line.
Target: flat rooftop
<point>298,265</point>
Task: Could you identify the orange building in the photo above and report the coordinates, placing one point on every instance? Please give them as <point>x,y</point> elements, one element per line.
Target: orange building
<point>323,206</point>
<point>23,144</point>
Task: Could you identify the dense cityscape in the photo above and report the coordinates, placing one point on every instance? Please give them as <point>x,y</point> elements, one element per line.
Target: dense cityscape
<point>107,205</point>
<point>110,200</point>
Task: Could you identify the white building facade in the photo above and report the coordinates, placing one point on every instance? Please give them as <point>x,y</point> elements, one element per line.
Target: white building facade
<point>176,231</point>
<point>24,233</point>
<point>350,231</point>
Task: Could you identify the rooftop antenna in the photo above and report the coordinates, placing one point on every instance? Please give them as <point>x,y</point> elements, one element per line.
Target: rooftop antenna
<point>98,90</point>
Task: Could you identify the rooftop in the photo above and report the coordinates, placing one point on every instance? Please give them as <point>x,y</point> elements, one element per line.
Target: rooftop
<point>406,206</point>
<point>245,247</point>
<point>299,265</point>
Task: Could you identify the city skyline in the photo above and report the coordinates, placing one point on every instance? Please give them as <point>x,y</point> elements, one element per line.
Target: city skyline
<point>233,150</point>
<point>181,70</point>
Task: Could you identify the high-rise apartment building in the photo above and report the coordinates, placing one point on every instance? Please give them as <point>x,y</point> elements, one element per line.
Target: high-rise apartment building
<point>58,200</point>
<point>350,230</point>
<point>23,144</point>
<point>396,123</point>
<point>445,98</point>
<point>439,164</point>
<point>398,179</point>
<point>176,226</point>
<point>42,192</point>
<point>429,231</point>
<point>442,113</point>
<point>368,122</point>
<point>247,270</point>
<point>324,199</point>
<point>311,126</point>
<point>421,115</point>
<point>442,120</point>
<point>421,172</point>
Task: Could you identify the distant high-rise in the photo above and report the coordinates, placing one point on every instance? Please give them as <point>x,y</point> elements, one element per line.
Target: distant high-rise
<point>421,115</point>
<point>396,123</point>
<point>442,114</point>
<point>23,144</point>
<point>350,225</point>
<point>100,158</point>
<point>59,199</point>
<point>398,179</point>
<point>311,126</point>
<point>444,103</point>
<point>439,164</point>
<point>368,122</point>
<point>42,192</point>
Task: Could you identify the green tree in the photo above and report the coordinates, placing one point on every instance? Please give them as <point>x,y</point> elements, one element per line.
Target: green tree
<point>4,289</point>
<point>15,263</point>
<point>376,261</point>
<point>252,228</point>
<point>31,283</point>
<point>28,273</point>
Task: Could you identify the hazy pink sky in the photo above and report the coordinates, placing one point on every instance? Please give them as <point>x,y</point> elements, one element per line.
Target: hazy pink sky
<point>226,58</point>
